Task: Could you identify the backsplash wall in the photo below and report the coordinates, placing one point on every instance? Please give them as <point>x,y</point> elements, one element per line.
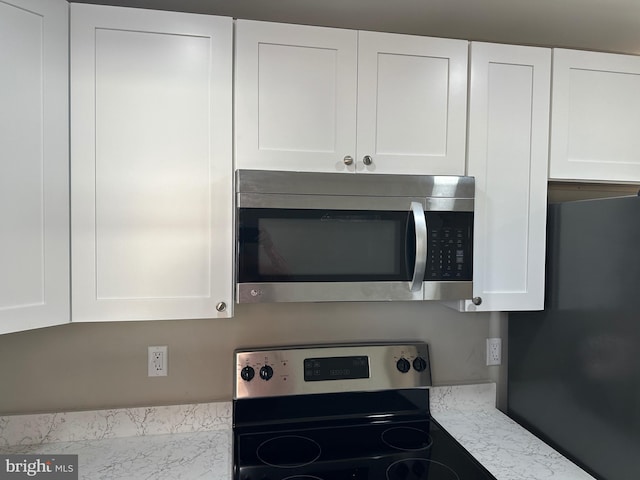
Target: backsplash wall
<point>104,365</point>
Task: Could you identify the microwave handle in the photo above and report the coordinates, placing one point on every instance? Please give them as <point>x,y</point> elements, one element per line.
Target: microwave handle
<point>420,221</point>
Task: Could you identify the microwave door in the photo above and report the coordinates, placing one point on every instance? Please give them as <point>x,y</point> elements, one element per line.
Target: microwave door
<point>332,254</point>
<point>420,222</point>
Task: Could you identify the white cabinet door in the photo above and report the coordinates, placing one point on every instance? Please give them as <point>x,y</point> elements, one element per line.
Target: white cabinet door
<point>295,97</point>
<point>508,145</point>
<point>595,117</point>
<point>151,164</point>
<point>412,104</point>
<point>34,164</point>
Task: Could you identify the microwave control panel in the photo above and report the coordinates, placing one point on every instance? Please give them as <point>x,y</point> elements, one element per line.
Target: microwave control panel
<point>450,242</point>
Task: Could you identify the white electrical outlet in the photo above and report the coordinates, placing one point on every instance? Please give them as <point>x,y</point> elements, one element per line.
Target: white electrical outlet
<point>157,361</point>
<point>494,351</point>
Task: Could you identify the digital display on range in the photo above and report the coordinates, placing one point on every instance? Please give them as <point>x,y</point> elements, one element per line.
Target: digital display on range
<point>335,368</point>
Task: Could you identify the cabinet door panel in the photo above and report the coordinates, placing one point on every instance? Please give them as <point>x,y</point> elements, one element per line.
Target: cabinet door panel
<point>152,164</point>
<point>303,123</point>
<point>508,140</point>
<point>152,185</point>
<point>595,117</point>
<point>411,104</point>
<point>295,97</point>
<point>34,165</point>
<point>415,123</point>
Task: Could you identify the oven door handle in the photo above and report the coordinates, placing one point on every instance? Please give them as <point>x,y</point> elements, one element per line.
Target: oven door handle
<point>420,222</point>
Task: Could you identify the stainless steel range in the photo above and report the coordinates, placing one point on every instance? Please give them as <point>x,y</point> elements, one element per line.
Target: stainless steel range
<point>338,412</point>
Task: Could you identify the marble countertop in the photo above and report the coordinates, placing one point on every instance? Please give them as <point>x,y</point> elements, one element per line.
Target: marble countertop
<point>507,450</point>
<point>184,442</point>
<point>177,456</point>
<point>194,441</point>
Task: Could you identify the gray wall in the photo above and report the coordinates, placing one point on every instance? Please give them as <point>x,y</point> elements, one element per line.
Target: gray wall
<point>104,365</point>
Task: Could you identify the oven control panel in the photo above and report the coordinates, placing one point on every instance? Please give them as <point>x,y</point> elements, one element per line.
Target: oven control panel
<point>331,369</point>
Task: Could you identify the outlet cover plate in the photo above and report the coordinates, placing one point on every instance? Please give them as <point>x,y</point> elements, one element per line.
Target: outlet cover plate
<point>494,351</point>
<point>157,361</point>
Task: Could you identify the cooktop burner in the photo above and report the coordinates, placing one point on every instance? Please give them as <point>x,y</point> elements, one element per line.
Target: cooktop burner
<point>418,468</point>
<point>327,415</point>
<point>407,438</point>
<point>288,451</point>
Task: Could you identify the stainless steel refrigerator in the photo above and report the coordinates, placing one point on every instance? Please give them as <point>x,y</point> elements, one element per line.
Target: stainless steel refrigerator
<point>574,368</point>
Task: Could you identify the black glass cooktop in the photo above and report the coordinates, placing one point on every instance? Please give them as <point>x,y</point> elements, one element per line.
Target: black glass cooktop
<point>356,438</point>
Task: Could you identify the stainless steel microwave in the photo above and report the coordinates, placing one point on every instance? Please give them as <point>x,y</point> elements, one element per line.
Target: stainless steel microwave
<point>322,237</point>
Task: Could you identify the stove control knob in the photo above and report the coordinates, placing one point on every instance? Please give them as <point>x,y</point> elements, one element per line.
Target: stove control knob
<point>266,372</point>
<point>419,364</point>
<point>247,373</point>
<point>403,365</point>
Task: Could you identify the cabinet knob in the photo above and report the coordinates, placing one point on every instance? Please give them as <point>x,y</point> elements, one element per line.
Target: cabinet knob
<point>476,300</point>
<point>348,160</point>
<point>221,306</point>
<point>367,160</point>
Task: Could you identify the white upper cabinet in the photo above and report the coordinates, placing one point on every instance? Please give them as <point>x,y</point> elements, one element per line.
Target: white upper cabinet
<point>595,117</point>
<point>508,145</point>
<point>295,97</point>
<point>332,100</point>
<point>412,104</point>
<point>151,162</point>
<point>34,164</point>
